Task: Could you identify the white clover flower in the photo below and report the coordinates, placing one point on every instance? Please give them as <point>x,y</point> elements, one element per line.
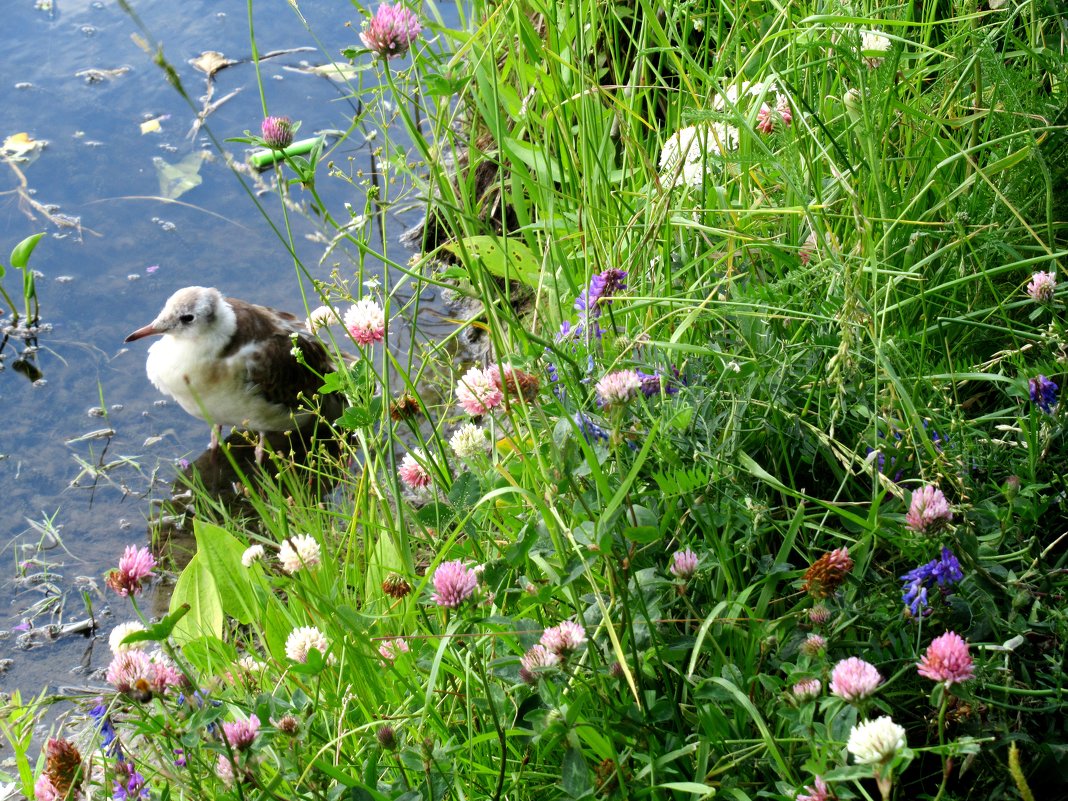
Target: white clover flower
<point>254,553</point>
<point>299,551</point>
<point>874,41</point>
<point>302,640</point>
<point>321,318</point>
<point>120,632</point>
<point>469,441</point>
<point>685,153</point>
<point>873,45</point>
<point>875,741</point>
<point>250,664</point>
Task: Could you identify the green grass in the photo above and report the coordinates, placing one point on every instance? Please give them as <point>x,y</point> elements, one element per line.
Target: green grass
<point>807,391</point>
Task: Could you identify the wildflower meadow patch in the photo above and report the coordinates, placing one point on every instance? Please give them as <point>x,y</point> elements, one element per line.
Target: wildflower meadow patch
<point>749,483</point>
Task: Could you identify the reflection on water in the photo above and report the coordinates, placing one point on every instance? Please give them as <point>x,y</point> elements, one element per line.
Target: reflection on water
<point>86,440</point>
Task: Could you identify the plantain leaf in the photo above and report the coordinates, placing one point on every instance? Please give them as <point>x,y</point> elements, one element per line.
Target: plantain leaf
<point>502,257</point>
<point>196,589</point>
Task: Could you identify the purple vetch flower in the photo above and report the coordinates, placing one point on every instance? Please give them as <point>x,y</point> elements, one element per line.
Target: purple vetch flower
<point>600,291</point>
<point>277,132</point>
<point>454,582</point>
<point>391,32</point>
<point>939,572</point>
<point>591,432</point>
<point>128,784</point>
<point>1043,393</point>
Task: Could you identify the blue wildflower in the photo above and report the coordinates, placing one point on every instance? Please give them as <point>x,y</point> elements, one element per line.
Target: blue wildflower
<point>600,291</point>
<point>590,431</point>
<point>1043,393</point>
<point>128,783</point>
<point>99,713</point>
<point>939,572</point>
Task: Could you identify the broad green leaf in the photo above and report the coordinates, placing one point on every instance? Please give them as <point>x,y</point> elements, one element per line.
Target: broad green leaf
<point>222,552</point>
<point>503,257</point>
<point>209,654</point>
<point>20,256</point>
<point>465,491</point>
<point>536,160</point>
<point>385,559</point>
<point>575,773</point>
<point>196,588</point>
<point>355,417</point>
<point>696,788</point>
<point>158,632</point>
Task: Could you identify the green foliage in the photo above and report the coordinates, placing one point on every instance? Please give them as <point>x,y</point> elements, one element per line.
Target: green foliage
<point>824,312</point>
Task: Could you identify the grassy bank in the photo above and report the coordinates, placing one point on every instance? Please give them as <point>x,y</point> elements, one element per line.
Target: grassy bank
<point>760,492</point>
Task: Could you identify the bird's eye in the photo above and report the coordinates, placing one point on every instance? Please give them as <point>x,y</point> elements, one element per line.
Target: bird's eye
<point>186,319</point>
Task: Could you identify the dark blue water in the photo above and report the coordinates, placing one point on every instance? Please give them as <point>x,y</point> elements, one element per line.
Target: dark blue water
<point>100,282</point>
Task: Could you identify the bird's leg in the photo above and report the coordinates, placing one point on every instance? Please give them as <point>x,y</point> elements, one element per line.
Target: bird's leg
<point>213,446</point>
<point>259,448</point>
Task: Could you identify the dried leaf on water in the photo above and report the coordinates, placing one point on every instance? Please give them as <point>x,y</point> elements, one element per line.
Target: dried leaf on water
<point>211,61</point>
<point>22,148</point>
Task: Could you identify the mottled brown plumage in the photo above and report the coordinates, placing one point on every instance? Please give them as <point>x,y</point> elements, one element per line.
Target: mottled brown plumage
<point>231,362</point>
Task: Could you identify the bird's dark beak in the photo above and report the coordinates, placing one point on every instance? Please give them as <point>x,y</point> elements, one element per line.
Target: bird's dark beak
<point>147,331</point>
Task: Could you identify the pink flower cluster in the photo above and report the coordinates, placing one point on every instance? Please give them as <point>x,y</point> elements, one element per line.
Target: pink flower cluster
<point>391,32</point>
<point>537,660</point>
<point>807,689</point>
<point>135,672</point>
<point>947,660</point>
<point>277,132</point>
<point>618,388</point>
<point>1042,287</point>
<point>766,117</point>
<point>928,510</point>
<point>366,321</point>
<point>478,392</point>
<point>241,733</point>
<point>412,470</point>
<point>454,583</point>
<point>853,679</point>
<point>391,649</point>
<point>563,639</point>
<point>818,791</point>
<point>135,565</point>
<point>683,564</point>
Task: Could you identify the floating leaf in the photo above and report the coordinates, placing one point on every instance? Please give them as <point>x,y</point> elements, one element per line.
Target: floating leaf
<point>211,61</point>
<point>177,179</point>
<point>21,148</point>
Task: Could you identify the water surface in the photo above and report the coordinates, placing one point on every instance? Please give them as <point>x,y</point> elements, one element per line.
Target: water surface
<point>111,273</point>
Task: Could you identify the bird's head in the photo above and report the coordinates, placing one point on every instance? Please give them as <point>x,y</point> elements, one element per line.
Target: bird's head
<point>192,313</point>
